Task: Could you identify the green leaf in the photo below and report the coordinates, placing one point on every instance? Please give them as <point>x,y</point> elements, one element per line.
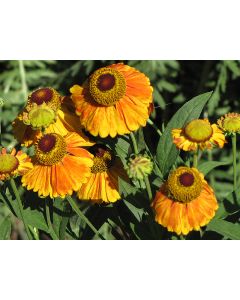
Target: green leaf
<point>165,85</point>
<point>158,99</point>
<point>5,229</point>
<point>167,152</point>
<point>61,214</point>
<point>121,147</point>
<point>126,188</point>
<point>35,218</point>
<point>225,228</point>
<point>137,212</point>
<point>229,205</point>
<point>206,167</point>
<point>233,67</point>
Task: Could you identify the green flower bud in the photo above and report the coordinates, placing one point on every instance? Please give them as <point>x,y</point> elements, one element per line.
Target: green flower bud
<point>139,166</point>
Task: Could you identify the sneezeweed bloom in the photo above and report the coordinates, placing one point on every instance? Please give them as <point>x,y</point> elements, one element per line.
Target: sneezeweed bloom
<point>230,123</point>
<point>65,121</point>
<point>196,134</point>
<point>41,109</point>
<point>185,202</point>
<point>15,163</point>
<point>139,166</point>
<point>102,186</point>
<point>60,165</point>
<point>114,100</point>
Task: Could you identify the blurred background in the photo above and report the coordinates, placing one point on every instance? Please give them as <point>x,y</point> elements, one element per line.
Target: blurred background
<point>174,82</point>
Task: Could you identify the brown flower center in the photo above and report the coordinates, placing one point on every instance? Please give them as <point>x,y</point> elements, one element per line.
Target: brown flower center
<point>47,143</point>
<point>186,179</point>
<point>106,86</point>
<point>106,82</point>
<point>184,184</point>
<point>102,160</point>
<point>41,95</point>
<point>51,149</point>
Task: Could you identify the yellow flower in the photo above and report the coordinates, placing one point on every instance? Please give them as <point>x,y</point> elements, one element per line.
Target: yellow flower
<point>41,109</point>
<point>60,165</point>
<point>102,186</point>
<point>114,100</point>
<point>66,121</point>
<point>185,202</point>
<point>47,95</point>
<point>196,134</point>
<point>230,123</point>
<point>13,164</point>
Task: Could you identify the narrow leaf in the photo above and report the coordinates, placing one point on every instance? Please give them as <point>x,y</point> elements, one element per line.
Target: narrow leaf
<point>167,152</point>
<point>225,228</point>
<point>5,229</point>
<point>206,167</point>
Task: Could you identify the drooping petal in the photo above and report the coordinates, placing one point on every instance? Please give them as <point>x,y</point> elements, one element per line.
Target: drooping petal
<point>126,114</point>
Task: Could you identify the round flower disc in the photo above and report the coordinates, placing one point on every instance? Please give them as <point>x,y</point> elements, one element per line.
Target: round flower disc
<point>50,149</point>
<point>184,184</point>
<point>102,160</point>
<point>41,96</point>
<point>107,86</point>
<point>198,130</point>
<point>8,163</point>
<point>41,116</point>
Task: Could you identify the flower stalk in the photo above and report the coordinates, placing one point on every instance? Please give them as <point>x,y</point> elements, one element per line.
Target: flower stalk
<point>23,78</point>
<point>195,159</point>
<point>51,230</point>
<point>147,183</point>
<point>234,158</point>
<point>150,122</point>
<point>83,217</point>
<point>19,201</point>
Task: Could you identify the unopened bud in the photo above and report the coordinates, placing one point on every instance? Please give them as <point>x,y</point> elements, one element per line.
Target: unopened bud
<point>139,167</point>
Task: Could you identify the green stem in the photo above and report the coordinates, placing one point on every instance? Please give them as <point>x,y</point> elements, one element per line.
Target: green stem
<point>14,212</point>
<point>0,127</point>
<point>211,175</point>
<point>150,122</point>
<point>134,142</point>
<point>83,217</point>
<point>195,159</point>
<point>234,157</point>
<point>23,78</point>
<point>147,183</point>
<point>51,230</point>
<point>11,209</point>
<point>149,190</point>
<point>13,185</point>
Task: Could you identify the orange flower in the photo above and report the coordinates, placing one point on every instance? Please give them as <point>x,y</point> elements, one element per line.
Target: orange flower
<point>185,202</point>
<point>13,164</point>
<point>60,165</point>
<point>102,186</point>
<point>198,133</point>
<point>115,100</point>
<point>66,121</point>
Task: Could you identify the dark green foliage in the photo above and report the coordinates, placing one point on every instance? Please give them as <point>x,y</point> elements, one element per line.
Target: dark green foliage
<point>212,86</point>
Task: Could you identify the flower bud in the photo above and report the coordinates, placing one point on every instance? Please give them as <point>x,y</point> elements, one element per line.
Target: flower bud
<point>139,166</point>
